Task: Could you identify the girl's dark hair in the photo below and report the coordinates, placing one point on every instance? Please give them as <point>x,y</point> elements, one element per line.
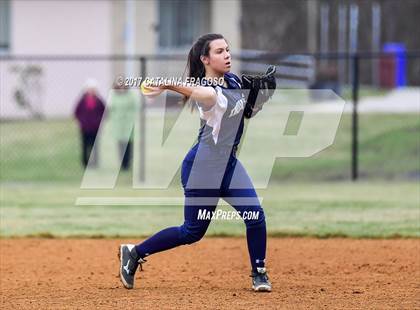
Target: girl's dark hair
<point>201,47</point>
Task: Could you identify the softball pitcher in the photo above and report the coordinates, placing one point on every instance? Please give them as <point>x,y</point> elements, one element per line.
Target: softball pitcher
<point>211,170</point>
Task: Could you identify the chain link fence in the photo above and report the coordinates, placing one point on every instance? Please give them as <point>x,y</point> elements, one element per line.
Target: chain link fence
<point>377,137</point>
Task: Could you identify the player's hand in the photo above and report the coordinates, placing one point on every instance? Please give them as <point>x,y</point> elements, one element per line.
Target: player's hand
<point>151,90</point>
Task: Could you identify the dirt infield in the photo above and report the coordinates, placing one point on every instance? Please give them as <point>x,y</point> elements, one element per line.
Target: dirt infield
<point>213,274</point>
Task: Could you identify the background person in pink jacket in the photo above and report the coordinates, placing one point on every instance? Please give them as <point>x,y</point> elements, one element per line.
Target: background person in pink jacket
<point>89,112</point>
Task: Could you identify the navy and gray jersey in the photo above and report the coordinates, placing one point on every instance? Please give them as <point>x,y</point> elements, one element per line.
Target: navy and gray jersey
<point>223,124</point>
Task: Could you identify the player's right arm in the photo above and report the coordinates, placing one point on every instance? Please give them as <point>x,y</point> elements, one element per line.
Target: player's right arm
<point>205,96</point>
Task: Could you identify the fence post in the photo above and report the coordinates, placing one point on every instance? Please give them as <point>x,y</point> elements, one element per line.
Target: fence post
<point>355,124</point>
<point>142,174</point>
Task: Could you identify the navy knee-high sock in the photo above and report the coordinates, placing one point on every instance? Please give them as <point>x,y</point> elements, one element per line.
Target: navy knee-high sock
<point>165,239</point>
<point>256,237</point>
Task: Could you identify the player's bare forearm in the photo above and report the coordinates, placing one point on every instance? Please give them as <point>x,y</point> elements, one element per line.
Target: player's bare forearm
<point>205,96</point>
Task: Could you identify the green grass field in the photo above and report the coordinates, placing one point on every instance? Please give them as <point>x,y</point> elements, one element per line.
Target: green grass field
<point>302,209</point>
<point>41,175</point>
<point>389,149</point>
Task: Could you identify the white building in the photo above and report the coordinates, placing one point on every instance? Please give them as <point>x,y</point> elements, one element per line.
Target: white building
<point>70,28</point>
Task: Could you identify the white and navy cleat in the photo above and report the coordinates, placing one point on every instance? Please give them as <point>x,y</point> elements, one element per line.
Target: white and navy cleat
<point>260,282</point>
<point>129,262</point>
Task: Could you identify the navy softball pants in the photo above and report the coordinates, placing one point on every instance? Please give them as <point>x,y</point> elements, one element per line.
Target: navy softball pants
<point>207,175</point>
